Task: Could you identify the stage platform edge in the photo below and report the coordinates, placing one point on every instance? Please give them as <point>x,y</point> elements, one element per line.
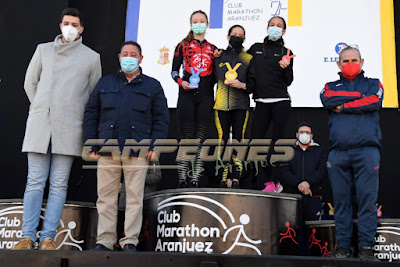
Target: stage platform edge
<point>99,259</point>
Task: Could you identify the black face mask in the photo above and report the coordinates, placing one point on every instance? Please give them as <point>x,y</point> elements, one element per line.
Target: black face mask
<point>236,42</point>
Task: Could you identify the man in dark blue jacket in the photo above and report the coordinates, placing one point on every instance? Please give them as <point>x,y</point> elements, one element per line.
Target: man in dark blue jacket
<point>304,174</point>
<point>353,103</point>
<point>128,107</point>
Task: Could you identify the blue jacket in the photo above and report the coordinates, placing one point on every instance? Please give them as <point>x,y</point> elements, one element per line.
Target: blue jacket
<point>118,109</point>
<point>357,125</point>
<point>306,165</point>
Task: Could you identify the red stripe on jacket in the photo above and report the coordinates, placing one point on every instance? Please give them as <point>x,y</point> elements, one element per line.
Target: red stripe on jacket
<point>330,93</point>
<point>368,100</point>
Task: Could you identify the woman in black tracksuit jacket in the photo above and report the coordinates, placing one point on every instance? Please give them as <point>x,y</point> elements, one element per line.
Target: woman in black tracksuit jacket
<point>232,101</point>
<point>273,76</point>
<point>195,105</point>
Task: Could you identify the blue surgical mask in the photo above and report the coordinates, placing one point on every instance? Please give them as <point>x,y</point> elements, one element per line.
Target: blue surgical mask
<point>129,64</point>
<point>274,33</point>
<point>199,28</point>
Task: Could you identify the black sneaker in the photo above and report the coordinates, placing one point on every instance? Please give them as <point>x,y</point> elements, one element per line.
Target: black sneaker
<point>183,184</point>
<point>129,248</point>
<point>223,185</point>
<point>235,185</point>
<point>340,253</point>
<point>193,184</point>
<point>366,254</point>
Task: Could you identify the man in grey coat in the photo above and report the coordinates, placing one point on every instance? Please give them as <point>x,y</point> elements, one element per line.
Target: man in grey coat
<point>58,82</point>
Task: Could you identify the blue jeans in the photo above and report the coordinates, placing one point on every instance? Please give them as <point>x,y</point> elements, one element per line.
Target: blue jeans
<point>39,167</point>
<point>358,166</point>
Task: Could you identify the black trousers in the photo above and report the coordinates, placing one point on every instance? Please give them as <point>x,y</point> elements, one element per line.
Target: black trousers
<point>193,116</point>
<point>224,121</point>
<point>277,113</point>
<point>309,209</point>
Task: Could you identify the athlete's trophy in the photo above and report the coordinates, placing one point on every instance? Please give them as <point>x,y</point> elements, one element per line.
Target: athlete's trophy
<point>231,74</point>
<point>195,78</point>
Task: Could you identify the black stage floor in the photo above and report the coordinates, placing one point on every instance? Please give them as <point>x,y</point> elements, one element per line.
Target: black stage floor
<point>70,258</point>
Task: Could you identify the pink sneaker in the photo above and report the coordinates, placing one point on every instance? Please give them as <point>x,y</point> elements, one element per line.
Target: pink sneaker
<point>269,187</point>
<point>278,187</point>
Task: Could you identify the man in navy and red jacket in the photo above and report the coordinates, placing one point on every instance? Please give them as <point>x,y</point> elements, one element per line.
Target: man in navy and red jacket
<point>353,103</point>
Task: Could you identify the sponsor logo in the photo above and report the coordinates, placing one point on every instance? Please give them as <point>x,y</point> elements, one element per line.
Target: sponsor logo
<point>328,164</point>
<point>335,58</point>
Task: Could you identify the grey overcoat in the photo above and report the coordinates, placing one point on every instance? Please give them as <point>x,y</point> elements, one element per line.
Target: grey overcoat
<point>58,82</point>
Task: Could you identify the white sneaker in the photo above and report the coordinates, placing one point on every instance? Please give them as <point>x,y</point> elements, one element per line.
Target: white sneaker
<point>278,188</point>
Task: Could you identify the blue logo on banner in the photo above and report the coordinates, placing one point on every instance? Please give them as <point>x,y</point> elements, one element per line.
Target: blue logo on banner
<point>132,20</point>
<point>216,14</point>
<point>339,46</point>
<point>335,58</point>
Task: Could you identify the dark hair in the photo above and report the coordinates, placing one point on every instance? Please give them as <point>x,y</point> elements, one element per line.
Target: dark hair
<point>284,22</point>
<point>72,12</point>
<point>304,124</point>
<point>131,43</point>
<point>234,26</point>
<point>190,35</point>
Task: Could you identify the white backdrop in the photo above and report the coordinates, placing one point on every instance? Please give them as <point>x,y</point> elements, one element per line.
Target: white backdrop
<point>324,25</point>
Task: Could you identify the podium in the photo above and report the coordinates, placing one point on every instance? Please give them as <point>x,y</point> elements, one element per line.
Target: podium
<point>220,221</point>
<point>322,238</point>
<point>77,229</point>
<point>201,220</point>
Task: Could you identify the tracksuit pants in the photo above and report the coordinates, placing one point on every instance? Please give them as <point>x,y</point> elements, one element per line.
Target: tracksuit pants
<point>361,167</point>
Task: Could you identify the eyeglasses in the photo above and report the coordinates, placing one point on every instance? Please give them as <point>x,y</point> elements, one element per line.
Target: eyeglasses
<point>307,132</point>
<point>354,46</point>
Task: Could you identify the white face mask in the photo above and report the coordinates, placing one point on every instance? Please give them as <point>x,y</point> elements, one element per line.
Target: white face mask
<point>69,33</point>
<point>304,138</point>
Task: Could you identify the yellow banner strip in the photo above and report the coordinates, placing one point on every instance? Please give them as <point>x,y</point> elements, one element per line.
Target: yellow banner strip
<point>295,12</point>
<point>389,75</point>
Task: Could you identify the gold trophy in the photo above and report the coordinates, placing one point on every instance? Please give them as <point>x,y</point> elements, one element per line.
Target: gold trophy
<point>231,74</point>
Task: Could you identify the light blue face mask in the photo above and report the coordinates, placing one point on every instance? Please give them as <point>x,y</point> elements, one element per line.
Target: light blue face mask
<point>199,28</point>
<point>274,33</point>
<point>129,64</point>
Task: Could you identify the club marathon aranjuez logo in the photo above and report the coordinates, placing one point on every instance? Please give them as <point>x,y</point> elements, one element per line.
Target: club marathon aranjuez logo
<point>338,48</point>
<point>387,242</point>
<point>11,233</point>
<point>216,224</point>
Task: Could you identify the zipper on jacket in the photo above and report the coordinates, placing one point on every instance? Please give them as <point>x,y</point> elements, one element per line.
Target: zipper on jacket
<point>229,87</point>
<point>201,63</point>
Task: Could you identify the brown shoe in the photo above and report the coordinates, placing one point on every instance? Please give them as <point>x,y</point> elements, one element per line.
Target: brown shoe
<point>47,244</point>
<point>24,244</point>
